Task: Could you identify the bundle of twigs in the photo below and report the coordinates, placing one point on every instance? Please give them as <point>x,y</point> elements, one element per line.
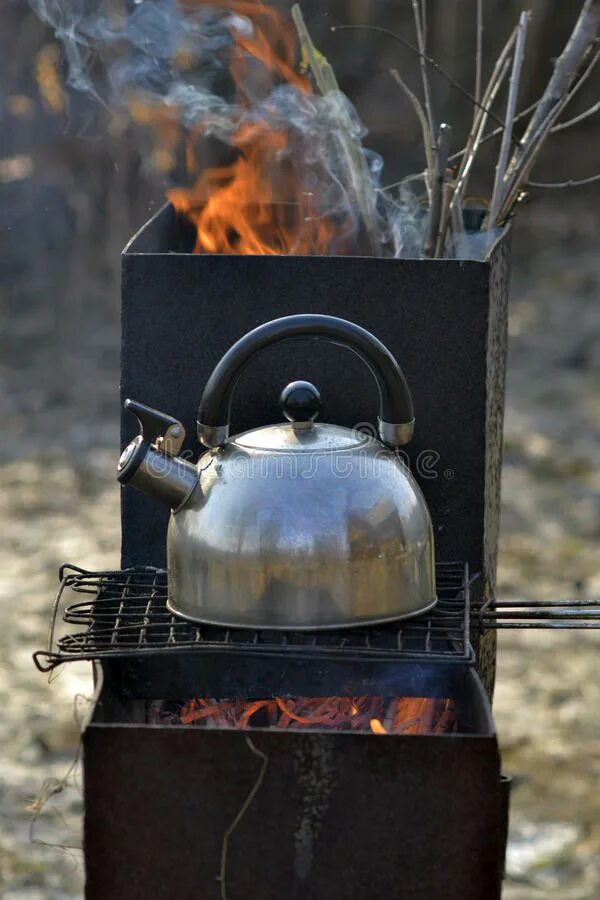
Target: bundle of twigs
<point>446,176</point>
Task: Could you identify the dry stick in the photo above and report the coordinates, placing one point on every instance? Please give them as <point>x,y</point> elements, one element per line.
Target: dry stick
<point>517,177</point>
<point>244,808</point>
<point>476,135</point>
<point>360,175</point>
<point>511,108</point>
<point>424,78</point>
<point>416,176</point>
<point>492,134</point>
<point>523,160</point>
<point>482,113</point>
<point>435,209</point>
<point>321,70</point>
<point>428,141</point>
<point>428,59</point>
<point>584,115</point>
<point>484,104</point>
<point>456,214</point>
<point>479,51</point>
<point>566,68</point>
<point>469,158</point>
<point>563,184</point>
<point>447,195</point>
<point>581,80</point>
<point>469,152</point>
<point>524,112</point>
<point>456,200</point>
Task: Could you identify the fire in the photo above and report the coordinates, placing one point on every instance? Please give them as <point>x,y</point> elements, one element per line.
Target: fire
<point>377,727</point>
<point>399,715</point>
<point>259,201</point>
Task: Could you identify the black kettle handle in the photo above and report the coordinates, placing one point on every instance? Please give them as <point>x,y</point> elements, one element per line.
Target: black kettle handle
<point>396,418</point>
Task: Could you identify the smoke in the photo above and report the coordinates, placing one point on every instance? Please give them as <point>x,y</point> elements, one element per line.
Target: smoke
<point>475,244</point>
<point>204,70</point>
<point>114,50</point>
<point>407,219</point>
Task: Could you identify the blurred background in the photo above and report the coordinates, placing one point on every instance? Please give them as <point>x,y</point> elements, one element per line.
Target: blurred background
<point>76,181</point>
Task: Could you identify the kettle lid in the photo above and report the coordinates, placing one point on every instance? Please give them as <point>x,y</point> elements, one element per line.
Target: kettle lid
<point>301,403</point>
<point>299,437</point>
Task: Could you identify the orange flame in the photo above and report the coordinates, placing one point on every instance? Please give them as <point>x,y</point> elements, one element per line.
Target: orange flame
<point>377,727</point>
<point>257,203</point>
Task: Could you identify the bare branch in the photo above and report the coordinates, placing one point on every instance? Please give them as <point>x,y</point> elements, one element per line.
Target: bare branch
<point>490,91</point>
<point>584,115</point>
<point>416,176</point>
<point>566,67</point>
<point>456,218</point>
<point>479,51</point>
<point>321,70</point>
<point>473,146</point>
<point>516,178</point>
<point>419,30</point>
<point>358,168</point>
<point>511,106</point>
<point>428,140</point>
<point>480,119</point>
<point>531,151</point>
<point>424,21</point>
<point>524,112</point>
<point>424,32</point>
<point>447,194</point>
<point>563,184</point>
<point>428,59</point>
<point>492,134</point>
<point>456,200</point>
<point>240,815</point>
<point>435,207</point>
<point>584,75</point>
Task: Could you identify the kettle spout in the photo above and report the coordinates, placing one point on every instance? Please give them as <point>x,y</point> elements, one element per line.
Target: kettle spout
<point>150,462</point>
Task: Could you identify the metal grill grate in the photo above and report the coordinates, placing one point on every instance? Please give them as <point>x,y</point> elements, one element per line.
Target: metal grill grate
<point>124,614</point>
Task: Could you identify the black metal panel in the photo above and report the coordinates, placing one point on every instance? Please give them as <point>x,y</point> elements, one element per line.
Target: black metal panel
<point>335,816</point>
<point>182,311</point>
<point>217,675</point>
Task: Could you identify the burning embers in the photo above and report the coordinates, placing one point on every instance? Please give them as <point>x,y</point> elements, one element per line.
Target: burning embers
<point>379,715</point>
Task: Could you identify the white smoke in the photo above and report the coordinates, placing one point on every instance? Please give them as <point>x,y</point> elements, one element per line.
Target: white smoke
<point>117,50</point>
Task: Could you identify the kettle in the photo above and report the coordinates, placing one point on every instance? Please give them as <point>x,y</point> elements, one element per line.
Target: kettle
<point>299,525</point>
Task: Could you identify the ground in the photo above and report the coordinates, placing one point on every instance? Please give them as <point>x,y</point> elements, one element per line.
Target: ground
<point>59,502</point>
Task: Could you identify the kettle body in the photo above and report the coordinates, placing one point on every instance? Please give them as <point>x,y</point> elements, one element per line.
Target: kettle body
<point>300,525</point>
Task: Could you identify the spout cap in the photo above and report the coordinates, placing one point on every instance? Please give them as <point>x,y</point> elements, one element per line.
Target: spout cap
<point>160,475</point>
<point>131,459</point>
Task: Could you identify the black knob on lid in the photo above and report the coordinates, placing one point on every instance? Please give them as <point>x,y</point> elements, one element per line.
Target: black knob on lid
<point>300,401</point>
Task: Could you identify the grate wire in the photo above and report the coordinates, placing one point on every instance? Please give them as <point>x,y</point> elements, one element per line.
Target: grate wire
<point>121,614</point>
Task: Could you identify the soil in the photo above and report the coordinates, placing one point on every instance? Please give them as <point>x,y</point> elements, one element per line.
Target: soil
<point>59,502</point>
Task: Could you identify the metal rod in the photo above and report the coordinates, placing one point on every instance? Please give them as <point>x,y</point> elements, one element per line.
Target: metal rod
<point>505,626</point>
<point>540,614</point>
<point>508,604</point>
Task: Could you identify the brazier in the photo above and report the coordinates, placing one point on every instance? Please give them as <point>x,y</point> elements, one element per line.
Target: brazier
<point>444,320</point>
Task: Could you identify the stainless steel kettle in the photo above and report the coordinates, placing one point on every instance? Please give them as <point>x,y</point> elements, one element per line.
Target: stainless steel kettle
<point>300,525</point>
